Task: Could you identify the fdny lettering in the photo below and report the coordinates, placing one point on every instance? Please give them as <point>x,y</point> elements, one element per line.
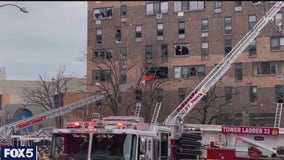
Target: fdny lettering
<point>185,102</point>
<point>18,152</point>
<point>250,130</point>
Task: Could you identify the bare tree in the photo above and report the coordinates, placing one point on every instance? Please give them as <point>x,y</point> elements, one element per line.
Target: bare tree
<point>213,106</point>
<point>48,92</point>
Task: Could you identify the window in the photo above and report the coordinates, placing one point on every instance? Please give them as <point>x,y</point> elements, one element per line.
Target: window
<point>138,94</point>
<point>228,46</point>
<point>279,93</point>
<point>253,94</point>
<point>118,35</point>
<point>181,94</point>
<point>148,54</point>
<point>252,49</point>
<point>228,95</point>
<point>101,75</point>
<point>123,76</point>
<point>204,28</point>
<point>228,25</point>
<point>160,31</point>
<point>218,6</point>
<point>182,49</point>
<point>101,55</point>
<point>229,119</point>
<point>164,56</point>
<point>123,11</point>
<point>158,72</point>
<point>204,50</point>
<point>278,19</point>
<point>189,71</point>
<point>266,68</point>
<point>252,21</point>
<point>238,6</point>
<point>138,33</point>
<point>276,43</point>
<point>238,71</point>
<point>181,6</point>
<point>102,13</point>
<point>160,94</point>
<point>99,36</point>
<point>261,119</point>
<point>181,30</point>
<point>156,8</point>
<point>123,53</point>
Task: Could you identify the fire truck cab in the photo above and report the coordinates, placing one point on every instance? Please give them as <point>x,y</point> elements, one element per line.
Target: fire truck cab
<point>124,138</point>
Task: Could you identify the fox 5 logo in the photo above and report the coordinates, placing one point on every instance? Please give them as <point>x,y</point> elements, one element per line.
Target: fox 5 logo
<point>18,153</point>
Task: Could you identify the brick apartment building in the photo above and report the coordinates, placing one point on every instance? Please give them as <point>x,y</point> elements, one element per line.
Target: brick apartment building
<point>182,41</point>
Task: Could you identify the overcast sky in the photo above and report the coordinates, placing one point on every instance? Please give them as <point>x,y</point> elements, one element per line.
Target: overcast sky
<point>51,35</point>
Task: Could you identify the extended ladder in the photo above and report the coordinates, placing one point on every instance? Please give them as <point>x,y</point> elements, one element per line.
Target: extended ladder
<point>137,109</point>
<point>219,70</point>
<point>278,114</point>
<point>156,112</point>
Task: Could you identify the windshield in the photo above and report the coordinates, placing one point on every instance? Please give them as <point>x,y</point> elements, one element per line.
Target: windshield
<point>104,147</point>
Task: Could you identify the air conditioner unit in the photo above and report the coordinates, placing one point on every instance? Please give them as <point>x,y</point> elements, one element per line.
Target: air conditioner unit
<point>278,23</point>
<point>180,14</point>
<point>159,16</point>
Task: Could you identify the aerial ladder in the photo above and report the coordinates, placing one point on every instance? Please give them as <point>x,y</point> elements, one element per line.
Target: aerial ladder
<point>6,130</point>
<point>220,69</point>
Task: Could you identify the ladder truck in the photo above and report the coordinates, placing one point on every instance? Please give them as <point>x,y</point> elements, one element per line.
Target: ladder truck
<point>129,138</point>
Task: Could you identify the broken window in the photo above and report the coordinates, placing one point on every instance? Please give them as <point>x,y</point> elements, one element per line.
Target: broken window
<point>252,21</point>
<point>228,25</point>
<point>181,6</point>
<point>138,94</point>
<point>252,49</point>
<point>228,95</point>
<point>253,94</point>
<point>158,72</point>
<point>238,71</point>
<point>228,46</point>
<point>123,11</point>
<point>99,36</point>
<point>118,35</point>
<point>181,49</point>
<point>181,30</point>
<point>138,34</point>
<point>160,31</point>
<point>148,54</point>
<point>204,50</point>
<point>101,55</point>
<point>189,71</point>
<point>102,13</point>
<point>276,43</point>
<point>101,75</point>
<point>164,55</point>
<point>156,8</point>
<point>204,28</point>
